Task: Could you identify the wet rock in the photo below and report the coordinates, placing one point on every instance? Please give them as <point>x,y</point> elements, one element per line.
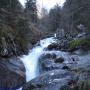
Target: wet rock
<point>65,87</point>
<point>59,60</point>
<point>66,68</point>
<point>53,56</point>
<point>51,80</point>
<point>54,46</point>
<point>48,56</point>
<point>74,59</point>
<point>72,84</point>
<point>49,62</point>
<point>12,73</point>
<point>48,65</point>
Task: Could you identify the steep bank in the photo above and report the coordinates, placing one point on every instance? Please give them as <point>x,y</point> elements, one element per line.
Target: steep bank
<point>17,33</point>
<point>17,36</point>
<point>72,43</point>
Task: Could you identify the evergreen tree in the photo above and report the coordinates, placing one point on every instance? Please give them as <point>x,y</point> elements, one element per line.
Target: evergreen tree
<point>31,10</point>
<point>76,12</point>
<point>54,18</point>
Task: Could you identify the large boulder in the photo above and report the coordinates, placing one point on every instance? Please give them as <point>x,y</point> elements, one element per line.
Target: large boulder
<point>54,46</point>
<point>12,73</point>
<point>49,61</point>
<point>48,65</point>
<point>53,60</point>
<point>59,60</point>
<point>48,56</point>
<point>52,80</point>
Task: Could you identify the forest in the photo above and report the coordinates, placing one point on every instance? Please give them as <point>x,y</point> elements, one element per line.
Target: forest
<point>19,24</point>
<point>49,40</point>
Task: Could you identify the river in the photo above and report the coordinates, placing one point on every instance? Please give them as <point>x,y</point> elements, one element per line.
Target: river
<point>31,61</point>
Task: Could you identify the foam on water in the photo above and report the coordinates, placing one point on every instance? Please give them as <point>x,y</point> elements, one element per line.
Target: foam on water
<point>31,60</point>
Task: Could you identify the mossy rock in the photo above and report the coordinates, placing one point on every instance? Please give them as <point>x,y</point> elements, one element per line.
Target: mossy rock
<point>74,43</point>
<point>83,43</point>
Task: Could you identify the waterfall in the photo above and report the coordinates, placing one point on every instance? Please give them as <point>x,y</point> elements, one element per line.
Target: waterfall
<point>31,60</point>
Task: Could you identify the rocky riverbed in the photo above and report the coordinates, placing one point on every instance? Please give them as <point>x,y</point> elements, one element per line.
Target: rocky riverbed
<point>46,67</point>
<point>60,70</point>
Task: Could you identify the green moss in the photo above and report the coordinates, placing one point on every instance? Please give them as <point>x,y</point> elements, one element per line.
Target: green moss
<point>74,43</point>
<point>83,43</point>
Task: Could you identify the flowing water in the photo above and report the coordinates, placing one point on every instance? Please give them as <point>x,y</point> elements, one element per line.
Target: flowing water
<point>31,60</point>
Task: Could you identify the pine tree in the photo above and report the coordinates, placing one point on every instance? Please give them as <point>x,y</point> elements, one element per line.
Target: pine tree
<point>31,10</point>
<point>54,18</point>
<point>76,12</point>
